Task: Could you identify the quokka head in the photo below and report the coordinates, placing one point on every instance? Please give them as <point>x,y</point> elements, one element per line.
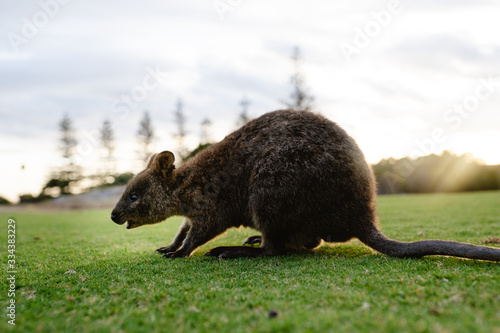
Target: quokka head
<point>147,198</point>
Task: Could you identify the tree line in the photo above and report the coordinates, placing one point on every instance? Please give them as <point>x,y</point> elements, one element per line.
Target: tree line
<point>436,173</point>
<point>433,173</point>
<point>69,178</point>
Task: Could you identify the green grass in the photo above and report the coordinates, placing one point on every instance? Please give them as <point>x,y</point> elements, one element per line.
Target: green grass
<point>121,285</point>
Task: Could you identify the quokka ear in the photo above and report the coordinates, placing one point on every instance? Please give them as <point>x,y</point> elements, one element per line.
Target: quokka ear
<point>163,164</point>
<point>151,160</point>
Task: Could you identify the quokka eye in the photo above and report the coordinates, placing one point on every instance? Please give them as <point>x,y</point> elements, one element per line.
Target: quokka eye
<point>134,197</point>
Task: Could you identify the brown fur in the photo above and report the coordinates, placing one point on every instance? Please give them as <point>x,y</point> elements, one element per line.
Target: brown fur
<point>296,177</point>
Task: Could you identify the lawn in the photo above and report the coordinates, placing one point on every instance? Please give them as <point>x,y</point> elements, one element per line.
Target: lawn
<point>79,272</point>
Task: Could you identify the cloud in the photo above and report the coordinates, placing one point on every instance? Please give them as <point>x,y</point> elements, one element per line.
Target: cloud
<point>447,54</point>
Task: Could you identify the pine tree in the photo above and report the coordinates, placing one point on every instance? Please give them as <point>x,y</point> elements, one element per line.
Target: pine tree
<point>146,136</point>
<point>180,136</point>
<point>107,138</point>
<point>299,98</point>
<point>107,141</point>
<point>205,133</point>
<point>68,139</point>
<point>243,116</point>
<point>65,179</point>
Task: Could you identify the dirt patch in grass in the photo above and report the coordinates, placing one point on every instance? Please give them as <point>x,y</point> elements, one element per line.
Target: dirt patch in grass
<point>492,240</point>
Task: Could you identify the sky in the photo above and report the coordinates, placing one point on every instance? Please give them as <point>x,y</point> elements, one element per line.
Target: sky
<point>404,78</point>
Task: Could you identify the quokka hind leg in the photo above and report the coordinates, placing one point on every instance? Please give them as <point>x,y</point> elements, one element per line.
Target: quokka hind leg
<point>267,249</point>
<point>227,252</point>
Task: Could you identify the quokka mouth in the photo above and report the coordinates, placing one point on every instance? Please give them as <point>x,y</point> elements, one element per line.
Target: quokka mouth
<point>116,217</point>
<point>131,224</point>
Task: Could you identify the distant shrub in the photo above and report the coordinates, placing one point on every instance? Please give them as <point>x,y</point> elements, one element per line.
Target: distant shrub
<point>29,198</point>
<point>436,173</point>
<point>4,201</point>
<point>115,180</point>
<point>123,178</point>
<point>200,147</point>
